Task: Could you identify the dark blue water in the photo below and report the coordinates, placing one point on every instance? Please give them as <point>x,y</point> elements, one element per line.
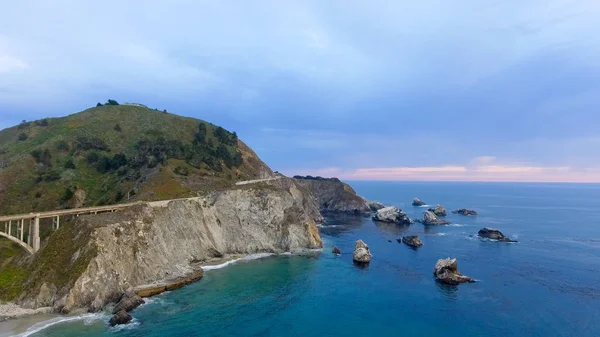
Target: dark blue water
<point>548,284</point>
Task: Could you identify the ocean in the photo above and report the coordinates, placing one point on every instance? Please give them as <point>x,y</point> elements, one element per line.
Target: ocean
<point>547,284</point>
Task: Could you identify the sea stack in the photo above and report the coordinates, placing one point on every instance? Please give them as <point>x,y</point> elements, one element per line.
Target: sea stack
<point>439,210</point>
<point>336,250</point>
<point>430,219</point>
<point>375,206</point>
<point>418,202</point>
<point>361,254</point>
<point>392,214</point>
<point>412,241</point>
<point>464,211</point>
<point>493,234</point>
<point>446,271</point>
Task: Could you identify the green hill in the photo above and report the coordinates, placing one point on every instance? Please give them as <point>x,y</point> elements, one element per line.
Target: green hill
<point>117,153</point>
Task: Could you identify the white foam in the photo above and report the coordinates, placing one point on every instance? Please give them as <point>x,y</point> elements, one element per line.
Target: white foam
<point>87,318</point>
<point>328,226</point>
<point>246,258</point>
<point>456,225</point>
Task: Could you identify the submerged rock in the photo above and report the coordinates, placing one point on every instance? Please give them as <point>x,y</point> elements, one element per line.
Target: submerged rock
<point>412,240</point>
<point>392,214</point>
<point>446,271</point>
<point>336,250</point>
<point>439,210</point>
<point>430,219</point>
<point>375,206</point>
<point>129,301</point>
<point>493,234</point>
<point>464,211</point>
<point>361,252</point>
<point>121,317</point>
<point>417,202</point>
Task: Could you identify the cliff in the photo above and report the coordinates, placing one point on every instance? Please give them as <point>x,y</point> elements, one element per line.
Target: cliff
<point>333,195</point>
<point>90,262</point>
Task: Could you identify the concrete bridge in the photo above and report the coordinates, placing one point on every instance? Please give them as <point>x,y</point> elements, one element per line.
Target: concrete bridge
<point>14,225</point>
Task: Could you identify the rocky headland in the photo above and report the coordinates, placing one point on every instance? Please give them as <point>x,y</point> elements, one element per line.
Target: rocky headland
<point>333,195</point>
<point>155,242</point>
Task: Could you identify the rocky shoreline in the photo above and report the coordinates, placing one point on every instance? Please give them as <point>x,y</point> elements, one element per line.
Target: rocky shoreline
<point>12,311</point>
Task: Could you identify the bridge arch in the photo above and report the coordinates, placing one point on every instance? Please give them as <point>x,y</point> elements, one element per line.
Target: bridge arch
<point>19,242</point>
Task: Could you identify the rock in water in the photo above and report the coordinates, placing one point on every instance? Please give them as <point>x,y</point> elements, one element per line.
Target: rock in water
<point>464,211</point>
<point>413,241</point>
<point>336,250</point>
<point>446,271</point>
<point>392,214</point>
<point>129,301</point>
<point>439,210</point>
<point>417,202</point>
<point>493,234</point>
<point>361,252</point>
<point>121,317</point>
<point>430,219</point>
<point>375,206</point>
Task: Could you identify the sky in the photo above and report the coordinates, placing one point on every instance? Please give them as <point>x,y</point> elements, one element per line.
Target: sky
<point>465,90</point>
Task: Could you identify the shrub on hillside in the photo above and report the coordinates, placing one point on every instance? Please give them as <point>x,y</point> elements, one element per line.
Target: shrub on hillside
<point>23,136</point>
<point>83,143</point>
<point>62,146</point>
<point>111,102</point>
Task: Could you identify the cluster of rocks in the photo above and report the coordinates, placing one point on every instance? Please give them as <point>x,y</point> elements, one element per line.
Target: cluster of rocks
<point>494,234</point>
<point>392,214</point>
<point>446,271</point>
<point>361,254</point>
<point>128,301</point>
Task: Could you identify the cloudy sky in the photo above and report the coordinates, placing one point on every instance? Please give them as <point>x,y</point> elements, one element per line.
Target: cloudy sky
<point>394,90</point>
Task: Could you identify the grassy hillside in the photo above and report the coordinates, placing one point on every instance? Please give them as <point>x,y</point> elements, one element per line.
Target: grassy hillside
<point>117,153</point>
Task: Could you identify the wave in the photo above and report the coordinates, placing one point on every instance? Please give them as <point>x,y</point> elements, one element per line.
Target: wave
<point>87,318</point>
<point>245,258</point>
<point>456,225</point>
<point>328,226</point>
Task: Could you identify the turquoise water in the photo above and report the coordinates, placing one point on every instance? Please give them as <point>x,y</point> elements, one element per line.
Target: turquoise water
<point>548,284</point>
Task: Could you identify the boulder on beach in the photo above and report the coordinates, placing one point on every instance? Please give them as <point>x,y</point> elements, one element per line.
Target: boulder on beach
<point>446,271</point>
<point>361,252</point>
<point>430,219</point>
<point>375,206</point>
<point>439,210</point>
<point>121,317</point>
<point>493,234</point>
<point>464,211</point>
<point>336,250</point>
<point>412,240</point>
<point>129,301</point>
<point>417,202</point>
<point>392,214</point>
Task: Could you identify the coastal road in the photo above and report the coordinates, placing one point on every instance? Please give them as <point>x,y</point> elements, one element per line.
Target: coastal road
<point>246,182</point>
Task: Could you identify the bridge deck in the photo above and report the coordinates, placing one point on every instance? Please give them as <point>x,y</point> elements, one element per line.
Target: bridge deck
<point>62,212</point>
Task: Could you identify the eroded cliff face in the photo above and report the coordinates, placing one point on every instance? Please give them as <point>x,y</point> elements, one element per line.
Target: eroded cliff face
<point>162,240</point>
<point>333,195</point>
